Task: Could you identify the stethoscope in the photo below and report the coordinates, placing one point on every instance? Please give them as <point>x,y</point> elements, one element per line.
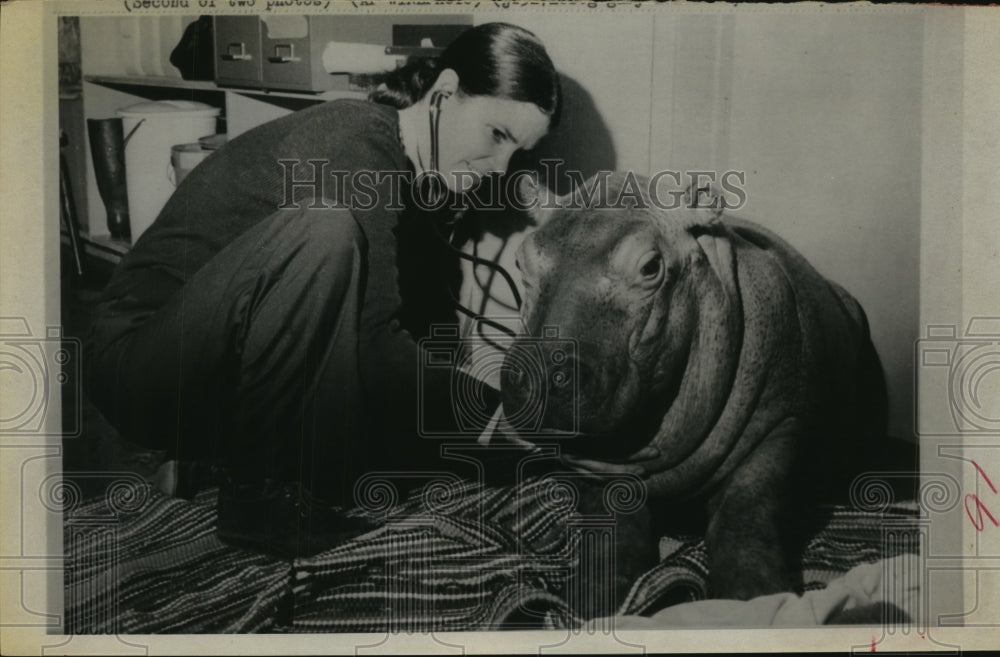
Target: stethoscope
<point>434,182</point>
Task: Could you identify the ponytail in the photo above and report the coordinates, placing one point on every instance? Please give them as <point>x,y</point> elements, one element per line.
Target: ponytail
<point>492,59</point>
<point>403,86</point>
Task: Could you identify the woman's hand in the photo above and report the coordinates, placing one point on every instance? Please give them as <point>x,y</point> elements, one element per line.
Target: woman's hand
<point>634,465</point>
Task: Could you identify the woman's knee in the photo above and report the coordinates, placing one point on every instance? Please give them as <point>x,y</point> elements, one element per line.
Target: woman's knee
<point>323,228</point>
<point>311,242</point>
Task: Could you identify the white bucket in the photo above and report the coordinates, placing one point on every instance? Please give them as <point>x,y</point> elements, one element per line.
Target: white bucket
<point>184,158</point>
<point>151,130</point>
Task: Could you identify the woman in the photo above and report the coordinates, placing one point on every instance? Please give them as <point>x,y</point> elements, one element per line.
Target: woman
<point>259,323</point>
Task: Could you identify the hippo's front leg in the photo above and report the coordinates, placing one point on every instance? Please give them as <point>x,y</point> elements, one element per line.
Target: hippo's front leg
<point>747,541</point>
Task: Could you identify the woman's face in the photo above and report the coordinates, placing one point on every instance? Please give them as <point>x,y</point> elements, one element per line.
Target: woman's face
<point>478,134</point>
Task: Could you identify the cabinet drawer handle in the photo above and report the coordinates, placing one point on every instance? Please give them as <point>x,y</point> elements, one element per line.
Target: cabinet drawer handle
<point>237,52</point>
<point>283,53</point>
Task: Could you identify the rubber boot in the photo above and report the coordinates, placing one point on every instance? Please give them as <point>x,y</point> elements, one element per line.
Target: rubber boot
<point>107,149</point>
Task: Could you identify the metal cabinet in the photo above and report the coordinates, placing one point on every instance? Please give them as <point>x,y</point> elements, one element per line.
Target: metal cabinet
<point>285,53</point>
<point>237,51</point>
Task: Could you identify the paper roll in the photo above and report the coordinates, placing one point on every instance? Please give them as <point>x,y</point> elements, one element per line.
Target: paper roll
<point>286,27</point>
<point>341,57</point>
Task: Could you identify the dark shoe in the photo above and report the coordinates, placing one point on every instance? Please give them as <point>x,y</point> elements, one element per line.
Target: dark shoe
<point>183,479</point>
<point>283,520</point>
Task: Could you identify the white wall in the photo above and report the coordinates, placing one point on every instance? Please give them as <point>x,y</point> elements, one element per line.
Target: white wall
<point>606,66</point>
<point>823,112</point>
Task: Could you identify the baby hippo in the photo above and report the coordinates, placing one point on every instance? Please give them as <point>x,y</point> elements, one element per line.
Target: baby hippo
<point>704,354</point>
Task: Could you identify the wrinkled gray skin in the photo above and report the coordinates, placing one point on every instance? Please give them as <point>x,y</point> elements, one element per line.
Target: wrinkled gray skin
<point>713,341</point>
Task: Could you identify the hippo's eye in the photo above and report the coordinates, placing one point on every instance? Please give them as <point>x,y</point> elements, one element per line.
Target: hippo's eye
<point>651,266</point>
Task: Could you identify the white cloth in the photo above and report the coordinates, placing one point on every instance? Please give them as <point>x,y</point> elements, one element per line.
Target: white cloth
<point>893,580</point>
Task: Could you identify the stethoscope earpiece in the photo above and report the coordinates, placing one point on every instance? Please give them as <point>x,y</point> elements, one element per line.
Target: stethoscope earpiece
<point>481,321</point>
<point>435,118</point>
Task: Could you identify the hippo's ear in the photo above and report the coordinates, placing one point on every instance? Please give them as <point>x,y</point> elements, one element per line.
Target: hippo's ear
<point>702,210</point>
<point>701,221</point>
<point>694,220</point>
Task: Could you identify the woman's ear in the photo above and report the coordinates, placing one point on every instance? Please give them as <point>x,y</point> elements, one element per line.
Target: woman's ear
<point>446,83</point>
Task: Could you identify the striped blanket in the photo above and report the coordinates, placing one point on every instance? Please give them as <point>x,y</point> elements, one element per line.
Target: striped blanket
<point>457,557</point>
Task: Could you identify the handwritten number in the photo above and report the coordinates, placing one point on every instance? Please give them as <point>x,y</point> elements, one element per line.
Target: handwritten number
<point>980,508</point>
<point>977,521</point>
<point>983,474</point>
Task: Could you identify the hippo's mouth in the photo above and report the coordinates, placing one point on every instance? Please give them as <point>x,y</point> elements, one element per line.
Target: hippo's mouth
<point>611,445</point>
<point>584,413</point>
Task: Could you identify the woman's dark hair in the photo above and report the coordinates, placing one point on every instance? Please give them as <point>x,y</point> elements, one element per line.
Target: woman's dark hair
<point>493,59</point>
